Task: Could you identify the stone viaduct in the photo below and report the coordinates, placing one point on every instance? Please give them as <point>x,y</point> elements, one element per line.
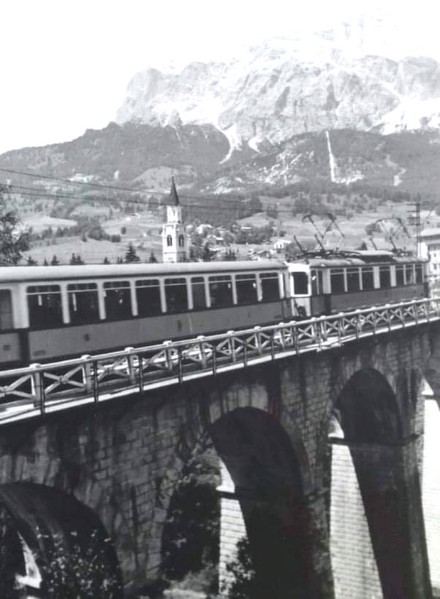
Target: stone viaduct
<point>279,429</point>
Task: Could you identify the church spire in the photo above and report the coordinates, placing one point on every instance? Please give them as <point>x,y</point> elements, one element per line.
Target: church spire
<point>174,198</point>
<point>175,246</point>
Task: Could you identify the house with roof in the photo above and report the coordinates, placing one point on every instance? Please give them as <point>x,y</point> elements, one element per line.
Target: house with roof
<point>430,249</point>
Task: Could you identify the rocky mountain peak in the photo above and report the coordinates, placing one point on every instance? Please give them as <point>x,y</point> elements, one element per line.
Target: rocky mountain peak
<point>285,87</point>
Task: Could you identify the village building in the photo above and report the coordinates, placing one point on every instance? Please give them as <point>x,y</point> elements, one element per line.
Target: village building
<point>430,249</point>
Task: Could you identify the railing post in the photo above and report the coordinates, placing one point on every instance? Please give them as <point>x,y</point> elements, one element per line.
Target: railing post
<point>169,361</point>
<point>388,317</point>
<point>319,332</point>
<point>88,372</point>
<point>200,339</point>
<point>358,326</point>
<point>282,330</point>
<point>130,364</point>
<point>38,387</point>
<point>374,313</point>
<point>141,372</point>
<point>294,326</point>
<point>232,345</point>
<point>258,339</point>
<point>180,364</point>
<point>415,307</point>
<point>428,311</point>
<point>341,331</point>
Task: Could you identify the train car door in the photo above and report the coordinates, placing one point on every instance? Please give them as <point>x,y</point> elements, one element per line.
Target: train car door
<point>9,339</point>
<point>6,317</point>
<point>299,288</point>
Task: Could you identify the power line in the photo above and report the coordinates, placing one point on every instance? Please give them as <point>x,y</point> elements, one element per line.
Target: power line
<point>68,181</point>
<point>41,194</point>
<point>98,185</point>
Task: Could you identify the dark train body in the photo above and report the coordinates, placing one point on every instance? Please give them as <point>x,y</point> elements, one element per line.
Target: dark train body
<point>55,312</point>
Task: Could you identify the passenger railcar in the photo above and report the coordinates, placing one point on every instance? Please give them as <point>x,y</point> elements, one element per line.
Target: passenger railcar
<point>331,284</point>
<point>47,313</point>
<point>54,312</point>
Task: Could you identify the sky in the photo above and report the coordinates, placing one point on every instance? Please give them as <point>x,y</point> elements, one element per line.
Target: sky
<point>66,63</point>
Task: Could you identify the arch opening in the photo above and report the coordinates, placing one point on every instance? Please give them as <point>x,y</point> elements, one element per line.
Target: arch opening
<point>367,409</point>
<point>57,545</point>
<point>371,432</point>
<point>268,481</point>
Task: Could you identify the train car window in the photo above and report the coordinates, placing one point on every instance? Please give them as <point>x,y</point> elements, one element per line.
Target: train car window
<point>44,305</point>
<point>176,295</point>
<point>148,297</point>
<point>270,287</point>
<point>117,299</point>
<point>198,293</point>
<point>367,278</point>
<point>246,286</point>
<point>384,277</point>
<point>316,281</point>
<point>409,272</point>
<point>419,273</point>
<point>400,275</point>
<point>83,302</point>
<point>5,310</point>
<point>337,280</point>
<point>220,291</point>
<point>353,280</point>
<point>300,283</point>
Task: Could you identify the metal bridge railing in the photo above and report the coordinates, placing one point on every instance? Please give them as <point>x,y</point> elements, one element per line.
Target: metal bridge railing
<point>37,389</point>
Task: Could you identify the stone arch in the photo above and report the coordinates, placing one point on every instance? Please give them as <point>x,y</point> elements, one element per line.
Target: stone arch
<point>368,409</point>
<point>58,543</point>
<point>269,485</point>
<point>375,427</point>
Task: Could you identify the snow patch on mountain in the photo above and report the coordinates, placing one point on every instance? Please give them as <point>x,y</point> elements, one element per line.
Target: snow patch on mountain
<point>235,141</point>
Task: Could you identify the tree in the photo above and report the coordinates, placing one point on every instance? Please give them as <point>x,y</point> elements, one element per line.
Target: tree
<point>106,260</point>
<point>230,256</point>
<point>13,241</point>
<point>207,254</point>
<point>244,584</point>
<point>76,260</point>
<point>130,254</point>
<point>31,261</point>
<point>54,261</point>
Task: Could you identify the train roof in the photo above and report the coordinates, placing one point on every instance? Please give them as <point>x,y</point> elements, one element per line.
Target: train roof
<point>97,271</point>
<point>359,258</point>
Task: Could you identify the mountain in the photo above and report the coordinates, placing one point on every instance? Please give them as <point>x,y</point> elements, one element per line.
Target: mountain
<point>130,154</point>
<point>283,113</point>
<point>274,93</point>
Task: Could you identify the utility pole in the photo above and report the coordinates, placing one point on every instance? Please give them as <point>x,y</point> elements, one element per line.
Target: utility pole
<point>414,219</point>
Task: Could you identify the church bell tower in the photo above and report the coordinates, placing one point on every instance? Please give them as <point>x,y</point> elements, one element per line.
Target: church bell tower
<point>174,236</point>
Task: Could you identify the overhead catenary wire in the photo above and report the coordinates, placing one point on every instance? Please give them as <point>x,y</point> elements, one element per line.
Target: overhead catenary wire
<point>95,185</point>
<point>43,194</point>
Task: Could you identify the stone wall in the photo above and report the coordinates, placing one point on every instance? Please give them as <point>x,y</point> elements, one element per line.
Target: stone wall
<point>124,457</point>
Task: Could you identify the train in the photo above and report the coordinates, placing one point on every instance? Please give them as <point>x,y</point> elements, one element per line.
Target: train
<point>58,312</point>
